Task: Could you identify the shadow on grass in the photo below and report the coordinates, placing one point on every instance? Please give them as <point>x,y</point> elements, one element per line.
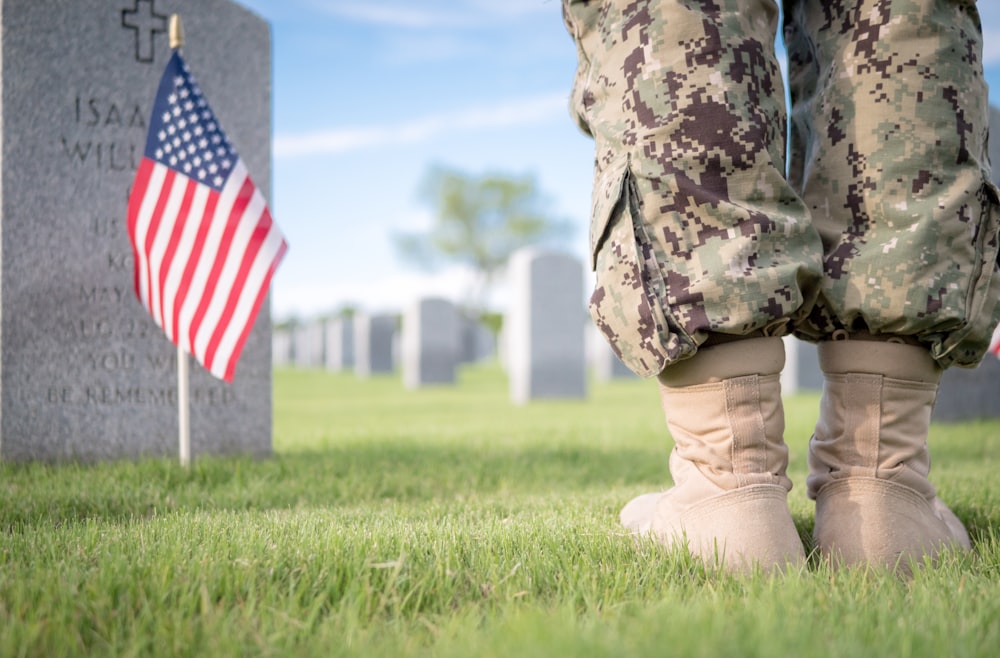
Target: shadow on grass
<point>349,476</point>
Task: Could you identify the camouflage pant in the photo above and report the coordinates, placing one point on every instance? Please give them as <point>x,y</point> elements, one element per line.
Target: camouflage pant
<point>884,221</point>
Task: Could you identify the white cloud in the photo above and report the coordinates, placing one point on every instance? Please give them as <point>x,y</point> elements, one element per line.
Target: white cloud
<point>510,113</point>
<point>440,14</point>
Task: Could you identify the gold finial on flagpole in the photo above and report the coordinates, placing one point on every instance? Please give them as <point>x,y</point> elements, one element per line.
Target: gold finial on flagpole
<point>176,31</point>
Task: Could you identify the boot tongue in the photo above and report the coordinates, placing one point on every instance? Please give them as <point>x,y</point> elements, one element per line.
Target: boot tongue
<point>874,424</point>
<point>731,431</point>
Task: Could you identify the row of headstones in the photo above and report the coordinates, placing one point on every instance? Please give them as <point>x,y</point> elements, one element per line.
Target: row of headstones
<point>369,344</point>
<point>329,344</point>
<point>547,344</point>
<point>442,339</point>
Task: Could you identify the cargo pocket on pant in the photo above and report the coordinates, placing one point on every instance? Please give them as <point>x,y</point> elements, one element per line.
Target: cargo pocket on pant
<point>626,304</point>
<point>966,346</point>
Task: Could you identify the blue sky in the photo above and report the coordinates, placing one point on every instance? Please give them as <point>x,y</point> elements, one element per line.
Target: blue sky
<point>368,94</point>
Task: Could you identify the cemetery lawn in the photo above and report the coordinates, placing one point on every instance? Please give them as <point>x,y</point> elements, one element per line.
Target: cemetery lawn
<point>447,522</point>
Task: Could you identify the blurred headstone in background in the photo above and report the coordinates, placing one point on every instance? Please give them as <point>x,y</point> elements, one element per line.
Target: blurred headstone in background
<point>309,344</point>
<point>544,327</point>
<point>339,343</point>
<point>431,342</point>
<point>374,344</point>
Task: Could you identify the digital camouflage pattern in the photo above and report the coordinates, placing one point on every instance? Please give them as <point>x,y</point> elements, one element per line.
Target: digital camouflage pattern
<point>890,122</point>
<point>886,221</point>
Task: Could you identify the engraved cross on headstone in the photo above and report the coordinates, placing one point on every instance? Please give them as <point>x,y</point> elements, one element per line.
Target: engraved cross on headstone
<point>146,23</point>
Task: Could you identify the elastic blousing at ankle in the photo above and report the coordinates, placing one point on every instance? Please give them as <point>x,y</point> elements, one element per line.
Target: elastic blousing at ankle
<point>751,356</point>
<point>865,335</point>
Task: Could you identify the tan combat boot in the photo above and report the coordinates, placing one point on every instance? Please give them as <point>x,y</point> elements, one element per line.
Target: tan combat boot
<point>869,461</point>
<point>729,499</point>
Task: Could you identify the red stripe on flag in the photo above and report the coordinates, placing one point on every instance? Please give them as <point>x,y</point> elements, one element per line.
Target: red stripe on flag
<point>258,302</point>
<point>219,257</point>
<point>154,227</point>
<point>135,199</point>
<point>138,193</point>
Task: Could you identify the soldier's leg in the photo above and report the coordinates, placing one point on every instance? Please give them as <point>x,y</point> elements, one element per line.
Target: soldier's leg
<point>890,119</point>
<point>697,239</point>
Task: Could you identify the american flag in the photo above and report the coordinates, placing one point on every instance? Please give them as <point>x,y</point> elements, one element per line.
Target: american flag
<point>205,244</point>
<point>995,343</point>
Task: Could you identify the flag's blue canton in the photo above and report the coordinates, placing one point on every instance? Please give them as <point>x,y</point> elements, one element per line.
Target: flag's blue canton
<point>183,132</point>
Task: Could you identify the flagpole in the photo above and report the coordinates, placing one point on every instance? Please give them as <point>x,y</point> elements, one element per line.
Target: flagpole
<point>176,33</point>
<point>152,220</point>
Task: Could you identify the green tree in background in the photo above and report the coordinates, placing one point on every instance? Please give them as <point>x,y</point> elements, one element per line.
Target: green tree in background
<point>479,222</point>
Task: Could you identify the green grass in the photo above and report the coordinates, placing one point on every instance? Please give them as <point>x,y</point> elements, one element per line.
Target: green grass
<point>448,522</point>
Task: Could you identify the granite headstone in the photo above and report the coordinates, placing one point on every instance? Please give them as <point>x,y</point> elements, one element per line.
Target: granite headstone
<point>801,372</point>
<point>431,342</point>
<point>310,347</point>
<point>479,343</point>
<point>339,344</point>
<point>374,338</point>
<point>84,372</point>
<point>281,347</point>
<point>545,326</point>
<point>969,394</point>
